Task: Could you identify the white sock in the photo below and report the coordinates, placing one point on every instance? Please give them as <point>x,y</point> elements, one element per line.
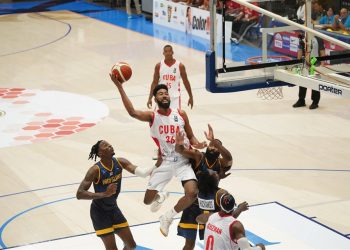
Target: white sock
<point>171,213</point>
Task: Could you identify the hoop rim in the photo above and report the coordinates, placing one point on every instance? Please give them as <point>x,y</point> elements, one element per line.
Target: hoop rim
<point>253,60</point>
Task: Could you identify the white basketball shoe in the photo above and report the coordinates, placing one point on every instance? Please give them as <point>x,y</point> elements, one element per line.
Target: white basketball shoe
<point>155,206</point>
<point>165,223</point>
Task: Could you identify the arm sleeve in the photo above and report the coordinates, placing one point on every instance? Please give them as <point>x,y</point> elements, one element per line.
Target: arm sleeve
<point>244,244</point>
<point>144,172</point>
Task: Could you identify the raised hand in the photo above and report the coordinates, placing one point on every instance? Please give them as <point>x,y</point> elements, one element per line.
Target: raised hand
<point>149,103</point>
<point>210,134</point>
<point>200,145</point>
<point>190,102</point>
<point>244,206</point>
<point>180,138</point>
<point>115,80</point>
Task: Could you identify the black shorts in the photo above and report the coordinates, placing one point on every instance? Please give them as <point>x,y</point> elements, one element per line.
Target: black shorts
<point>188,225</point>
<point>107,221</point>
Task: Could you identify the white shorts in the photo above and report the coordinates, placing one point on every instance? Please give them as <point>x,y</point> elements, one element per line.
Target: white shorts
<point>165,172</point>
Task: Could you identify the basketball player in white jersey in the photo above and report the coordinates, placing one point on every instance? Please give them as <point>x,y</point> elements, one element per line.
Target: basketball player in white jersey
<point>223,231</point>
<point>170,72</point>
<point>164,124</point>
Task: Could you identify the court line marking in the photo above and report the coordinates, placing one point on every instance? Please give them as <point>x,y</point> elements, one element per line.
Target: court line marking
<point>8,221</point>
<point>50,187</point>
<point>232,170</point>
<point>310,219</point>
<point>45,44</point>
<point>2,244</point>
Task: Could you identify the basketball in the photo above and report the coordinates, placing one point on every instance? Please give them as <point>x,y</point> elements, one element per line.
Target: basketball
<point>122,71</point>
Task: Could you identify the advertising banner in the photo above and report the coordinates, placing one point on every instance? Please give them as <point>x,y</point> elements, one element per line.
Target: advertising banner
<point>190,20</point>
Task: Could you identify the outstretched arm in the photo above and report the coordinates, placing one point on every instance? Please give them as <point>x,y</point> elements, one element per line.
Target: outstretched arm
<point>189,153</point>
<point>241,208</point>
<point>92,175</point>
<point>226,160</point>
<point>138,171</point>
<point>153,85</point>
<point>186,84</point>
<point>145,116</point>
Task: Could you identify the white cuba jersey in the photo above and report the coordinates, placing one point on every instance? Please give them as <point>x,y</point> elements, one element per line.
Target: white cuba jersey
<point>163,131</point>
<point>217,232</point>
<point>171,77</point>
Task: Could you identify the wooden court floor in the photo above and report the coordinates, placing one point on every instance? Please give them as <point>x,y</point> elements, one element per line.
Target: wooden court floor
<point>297,157</point>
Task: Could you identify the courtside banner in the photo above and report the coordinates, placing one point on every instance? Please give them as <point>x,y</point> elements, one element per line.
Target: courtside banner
<point>169,14</point>
<point>190,20</point>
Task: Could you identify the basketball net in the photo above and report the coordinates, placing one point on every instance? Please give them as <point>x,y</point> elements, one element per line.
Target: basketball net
<point>269,93</point>
<point>273,93</point>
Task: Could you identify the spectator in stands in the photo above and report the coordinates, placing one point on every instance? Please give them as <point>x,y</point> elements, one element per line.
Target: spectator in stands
<point>342,22</point>
<point>188,2</point>
<point>137,6</point>
<point>197,3</point>
<point>327,20</point>
<point>301,12</point>
<point>205,5</point>
<point>241,23</point>
<point>233,8</point>
<point>317,11</point>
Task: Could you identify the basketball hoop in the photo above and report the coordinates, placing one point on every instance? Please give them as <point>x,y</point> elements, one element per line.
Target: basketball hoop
<point>268,93</point>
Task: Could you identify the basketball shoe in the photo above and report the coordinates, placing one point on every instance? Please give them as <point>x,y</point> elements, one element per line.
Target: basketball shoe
<point>155,206</point>
<point>165,223</point>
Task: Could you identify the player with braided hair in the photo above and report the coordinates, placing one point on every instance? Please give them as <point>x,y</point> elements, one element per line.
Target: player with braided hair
<point>106,176</point>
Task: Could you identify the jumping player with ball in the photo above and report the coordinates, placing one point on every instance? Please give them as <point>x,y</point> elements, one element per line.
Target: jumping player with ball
<point>164,124</point>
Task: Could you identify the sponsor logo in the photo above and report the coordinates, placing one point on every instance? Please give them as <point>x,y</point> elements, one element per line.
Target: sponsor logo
<point>198,23</point>
<point>294,40</point>
<point>278,36</point>
<point>330,89</point>
<point>286,38</point>
<point>278,44</point>
<point>285,45</point>
<point>293,47</point>
<point>175,118</point>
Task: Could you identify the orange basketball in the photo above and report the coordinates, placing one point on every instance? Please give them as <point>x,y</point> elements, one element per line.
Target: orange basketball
<point>122,71</point>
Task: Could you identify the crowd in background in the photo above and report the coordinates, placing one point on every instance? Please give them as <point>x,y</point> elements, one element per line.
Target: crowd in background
<point>324,15</point>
